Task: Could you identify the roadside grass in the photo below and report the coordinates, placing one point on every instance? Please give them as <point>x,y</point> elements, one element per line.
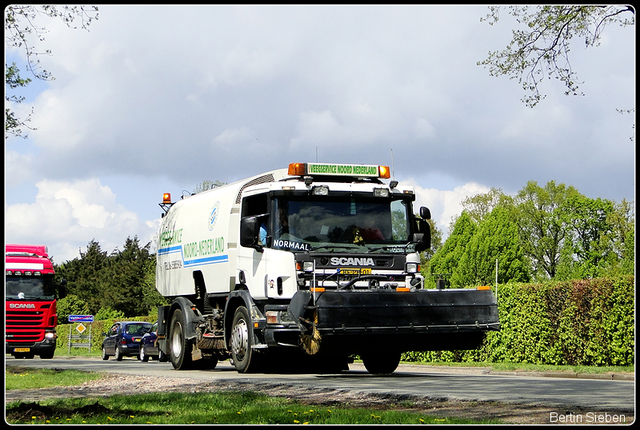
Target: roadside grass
<point>25,378</point>
<point>211,408</point>
<point>525,367</point>
<point>77,352</point>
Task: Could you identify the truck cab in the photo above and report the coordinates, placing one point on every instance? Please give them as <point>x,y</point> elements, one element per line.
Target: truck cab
<point>30,302</point>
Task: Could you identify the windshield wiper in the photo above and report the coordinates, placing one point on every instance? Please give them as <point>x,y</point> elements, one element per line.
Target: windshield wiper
<point>330,245</point>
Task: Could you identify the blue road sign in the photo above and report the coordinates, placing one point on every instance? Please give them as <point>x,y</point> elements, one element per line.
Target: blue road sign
<point>81,318</point>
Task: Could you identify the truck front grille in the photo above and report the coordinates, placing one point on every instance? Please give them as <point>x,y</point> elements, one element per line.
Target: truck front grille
<point>25,326</point>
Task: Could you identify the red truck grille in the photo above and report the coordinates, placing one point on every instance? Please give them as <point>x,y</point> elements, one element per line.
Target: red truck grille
<point>25,326</point>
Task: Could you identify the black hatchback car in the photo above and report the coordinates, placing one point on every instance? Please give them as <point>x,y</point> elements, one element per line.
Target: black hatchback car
<point>123,339</point>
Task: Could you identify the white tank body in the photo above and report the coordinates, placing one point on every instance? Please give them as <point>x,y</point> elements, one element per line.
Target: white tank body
<point>200,233</point>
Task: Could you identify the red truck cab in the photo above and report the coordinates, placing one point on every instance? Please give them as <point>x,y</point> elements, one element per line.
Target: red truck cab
<point>30,309</point>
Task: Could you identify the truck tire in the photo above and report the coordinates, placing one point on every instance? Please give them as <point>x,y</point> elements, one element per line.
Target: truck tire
<point>47,355</point>
<point>179,346</point>
<point>381,362</point>
<point>244,357</point>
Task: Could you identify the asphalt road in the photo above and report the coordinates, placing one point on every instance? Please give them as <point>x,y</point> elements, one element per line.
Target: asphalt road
<point>435,382</point>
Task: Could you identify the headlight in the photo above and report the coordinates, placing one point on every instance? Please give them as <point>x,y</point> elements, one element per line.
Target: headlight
<point>320,190</point>
<point>412,267</point>
<point>381,192</point>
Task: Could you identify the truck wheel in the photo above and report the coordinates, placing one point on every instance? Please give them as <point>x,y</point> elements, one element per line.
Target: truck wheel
<point>179,346</point>
<point>47,355</point>
<point>244,357</point>
<point>381,362</point>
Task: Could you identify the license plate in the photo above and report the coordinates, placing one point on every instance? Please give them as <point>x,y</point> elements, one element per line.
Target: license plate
<point>137,339</point>
<point>354,271</point>
<point>21,349</point>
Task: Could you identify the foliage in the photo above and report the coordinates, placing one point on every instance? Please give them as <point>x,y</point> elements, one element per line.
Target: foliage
<point>580,322</point>
<point>108,313</point>
<point>540,224</point>
<point>542,48</point>
<point>70,305</point>
<point>495,239</point>
<point>13,80</point>
<point>123,281</point>
<point>20,27</point>
<point>542,233</point>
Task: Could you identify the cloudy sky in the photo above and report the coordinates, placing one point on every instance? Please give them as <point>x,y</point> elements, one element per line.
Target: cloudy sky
<point>158,99</point>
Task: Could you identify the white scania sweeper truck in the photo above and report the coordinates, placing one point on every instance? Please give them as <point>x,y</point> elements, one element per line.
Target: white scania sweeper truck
<point>317,262</point>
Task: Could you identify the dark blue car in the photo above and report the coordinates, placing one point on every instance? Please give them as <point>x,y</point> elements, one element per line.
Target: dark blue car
<point>149,346</point>
<point>123,339</point>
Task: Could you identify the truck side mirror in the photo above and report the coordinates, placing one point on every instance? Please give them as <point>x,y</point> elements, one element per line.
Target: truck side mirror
<point>423,237</point>
<point>249,230</point>
<point>62,289</point>
<point>425,213</point>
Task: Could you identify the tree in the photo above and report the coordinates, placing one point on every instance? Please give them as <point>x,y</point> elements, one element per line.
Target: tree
<point>84,275</point>
<point>542,48</point>
<point>495,239</point>
<point>587,222</point>
<point>481,205</point>
<point>131,289</point>
<point>20,28</point>
<point>13,124</point>
<point>541,225</point>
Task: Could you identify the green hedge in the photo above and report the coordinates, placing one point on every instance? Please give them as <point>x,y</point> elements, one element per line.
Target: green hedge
<point>583,322</point>
<point>97,328</point>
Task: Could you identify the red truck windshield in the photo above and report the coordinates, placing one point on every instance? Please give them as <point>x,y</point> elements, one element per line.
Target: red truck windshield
<point>29,288</point>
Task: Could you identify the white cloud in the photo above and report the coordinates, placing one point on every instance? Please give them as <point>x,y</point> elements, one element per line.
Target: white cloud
<point>67,215</point>
<point>445,204</point>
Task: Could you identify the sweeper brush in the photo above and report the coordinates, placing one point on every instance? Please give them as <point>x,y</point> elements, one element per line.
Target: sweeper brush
<point>311,339</point>
<point>209,341</point>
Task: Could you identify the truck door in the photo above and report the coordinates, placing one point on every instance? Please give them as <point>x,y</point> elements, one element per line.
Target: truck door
<point>252,263</point>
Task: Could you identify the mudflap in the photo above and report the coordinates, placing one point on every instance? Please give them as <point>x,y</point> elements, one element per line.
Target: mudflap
<point>422,320</point>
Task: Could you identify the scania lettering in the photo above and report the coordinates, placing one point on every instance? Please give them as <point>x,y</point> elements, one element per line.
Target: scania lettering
<point>336,261</point>
<point>30,299</point>
<point>316,263</point>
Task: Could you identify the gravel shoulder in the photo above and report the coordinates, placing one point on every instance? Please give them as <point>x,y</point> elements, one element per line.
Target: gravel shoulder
<point>113,384</point>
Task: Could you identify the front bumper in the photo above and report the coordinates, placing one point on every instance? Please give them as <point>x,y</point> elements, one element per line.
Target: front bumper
<point>421,320</point>
<point>35,348</point>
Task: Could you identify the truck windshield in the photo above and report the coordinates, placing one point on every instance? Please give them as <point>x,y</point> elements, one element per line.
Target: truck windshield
<point>29,288</point>
<point>361,224</point>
